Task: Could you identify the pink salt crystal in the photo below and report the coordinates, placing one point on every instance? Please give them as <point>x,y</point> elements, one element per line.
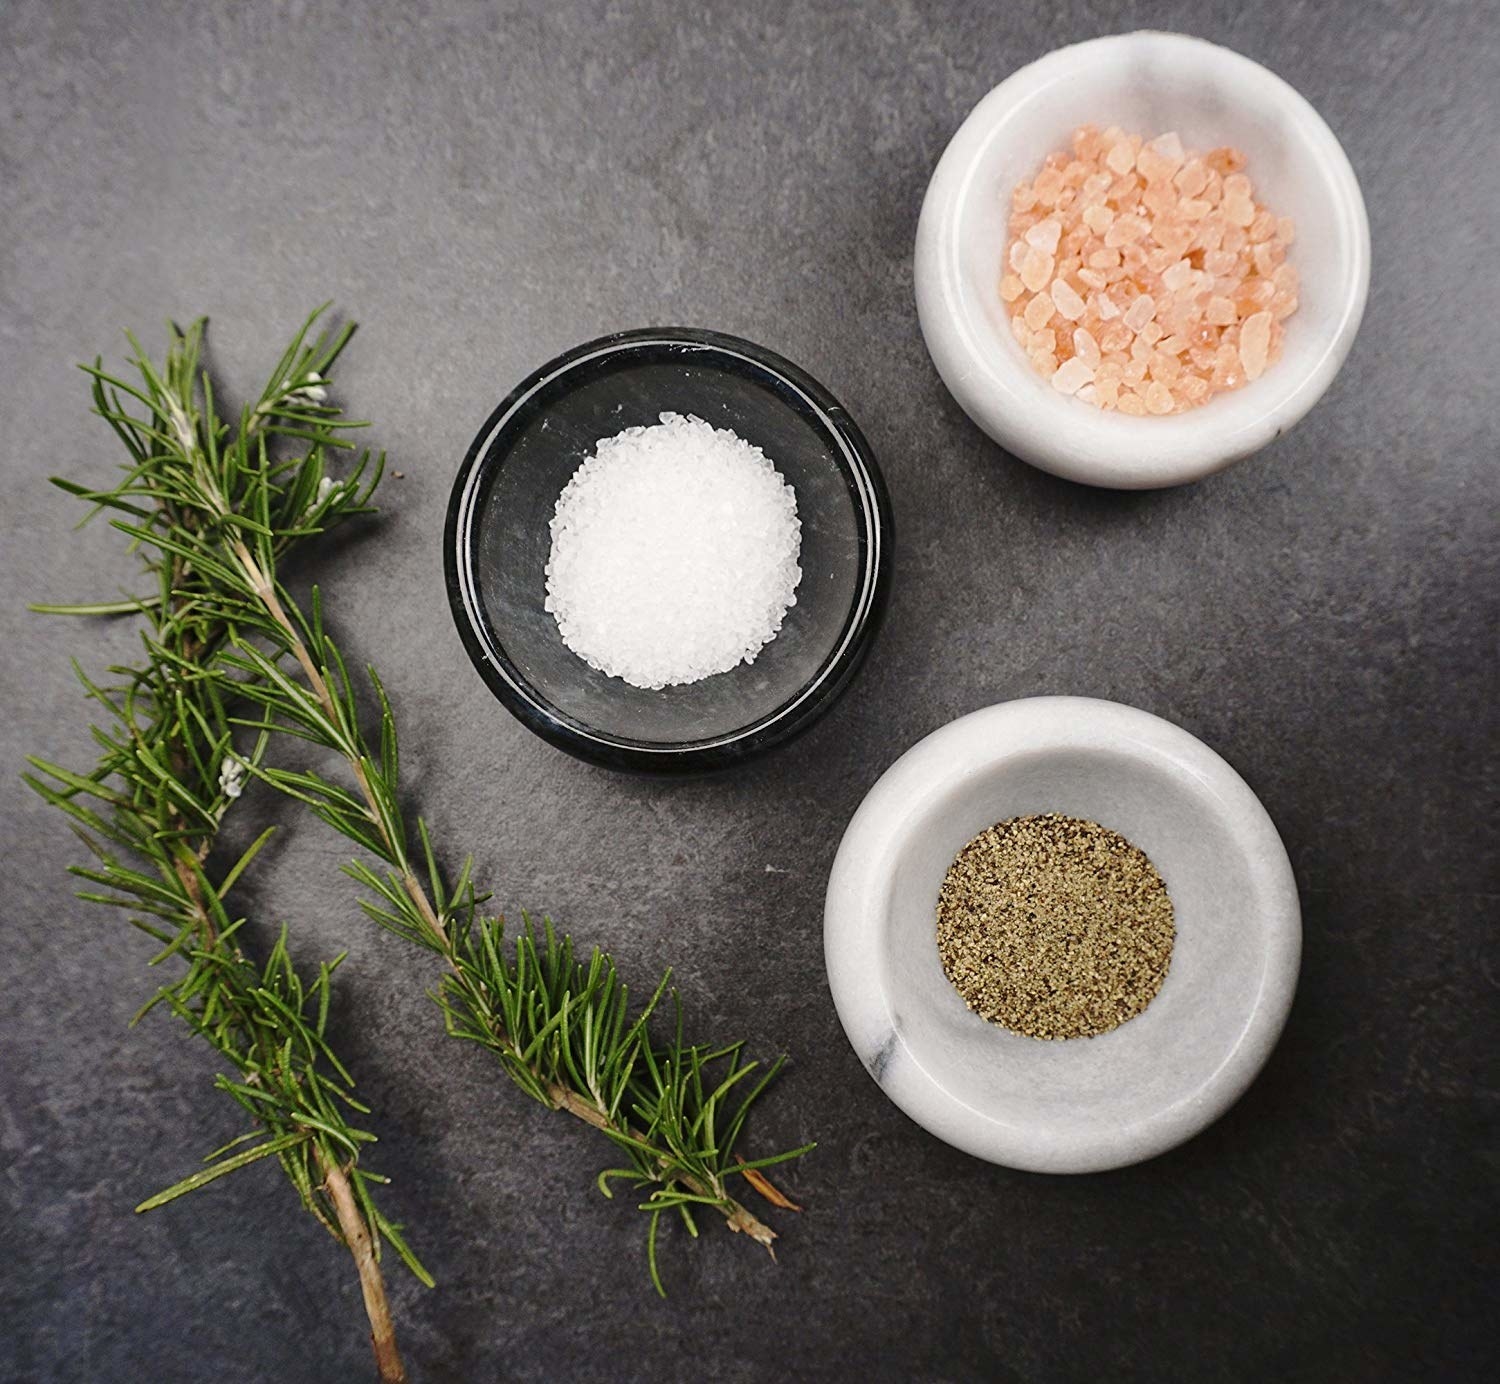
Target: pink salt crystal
<point>1164,367</point>
<point>1255,341</point>
<point>1011,288</point>
<point>1151,166</point>
<point>1219,262</point>
<point>1098,218</point>
<point>1210,234</point>
<point>1121,157</point>
<point>1173,236</point>
<point>1159,398</point>
<point>1135,372</point>
<point>1193,208</point>
<point>1131,403</point>
<point>1236,184</point>
<point>1168,148</point>
<point>1191,177</point>
<point>1159,200</point>
<point>1087,142</point>
<point>1220,311</point>
<point>1151,333</point>
<point>1286,230</point>
<point>1065,298</point>
<point>1283,305</point>
<point>1263,227</point>
<point>1092,277</point>
<point>1086,348</point>
<point>1239,211</point>
<point>1020,329</point>
<point>1158,259</point>
<point>1043,342</point>
<point>1044,235</point>
<point>1023,197</point>
<point>1285,279</point>
<point>1095,186</point>
<point>1089,394</point>
<point>1227,373</point>
<point>1172,345</point>
<point>1140,312</point>
<point>1140,352</point>
<point>1224,160</point>
<point>1017,256</point>
<point>1106,307</point>
<point>1234,238</point>
<point>1126,230</point>
<point>1192,389</point>
<point>1266,257</point>
<point>1175,276</point>
<point>1070,376</point>
<point>1075,173</point>
<point>1036,269</point>
<point>1039,311</point>
<point>1048,185</point>
<point>1254,295</point>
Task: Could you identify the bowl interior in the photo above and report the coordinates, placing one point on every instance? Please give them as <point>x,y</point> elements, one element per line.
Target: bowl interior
<point>543,439</point>
<point>1149,83</point>
<point>1083,1090</point>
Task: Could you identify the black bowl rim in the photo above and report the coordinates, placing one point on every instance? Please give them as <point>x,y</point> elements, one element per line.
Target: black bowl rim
<point>872,513</point>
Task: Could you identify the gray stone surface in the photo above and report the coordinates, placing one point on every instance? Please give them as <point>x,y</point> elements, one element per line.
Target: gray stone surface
<point>484,185</point>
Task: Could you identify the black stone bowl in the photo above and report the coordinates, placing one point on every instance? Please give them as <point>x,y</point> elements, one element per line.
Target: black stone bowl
<point>497,542</point>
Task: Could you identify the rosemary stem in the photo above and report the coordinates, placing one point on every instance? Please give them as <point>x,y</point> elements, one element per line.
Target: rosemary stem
<point>737,1216</point>
<point>265,590</point>
<point>372,1285</point>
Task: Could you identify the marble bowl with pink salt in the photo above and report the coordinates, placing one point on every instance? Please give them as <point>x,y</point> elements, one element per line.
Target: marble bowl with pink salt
<point>1209,99</point>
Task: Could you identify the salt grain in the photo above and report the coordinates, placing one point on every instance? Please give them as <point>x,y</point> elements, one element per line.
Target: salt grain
<point>674,553</point>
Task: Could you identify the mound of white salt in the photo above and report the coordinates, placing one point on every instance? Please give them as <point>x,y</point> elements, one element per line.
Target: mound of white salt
<point>674,553</point>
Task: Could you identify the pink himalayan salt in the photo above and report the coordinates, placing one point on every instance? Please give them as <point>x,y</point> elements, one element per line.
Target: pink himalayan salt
<point>1066,299</point>
<point>1137,267</point>
<point>1255,342</point>
<point>1071,376</point>
<point>1036,269</point>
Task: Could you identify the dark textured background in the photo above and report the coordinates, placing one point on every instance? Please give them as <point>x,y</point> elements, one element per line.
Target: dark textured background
<point>485,185</point>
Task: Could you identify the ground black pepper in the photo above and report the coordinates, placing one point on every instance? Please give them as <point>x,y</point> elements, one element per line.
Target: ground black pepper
<point>1054,926</point>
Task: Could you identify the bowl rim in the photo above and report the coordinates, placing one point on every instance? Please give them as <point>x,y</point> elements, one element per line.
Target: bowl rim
<point>1136,454</point>
<point>872,509</point>
<point>859,893</point>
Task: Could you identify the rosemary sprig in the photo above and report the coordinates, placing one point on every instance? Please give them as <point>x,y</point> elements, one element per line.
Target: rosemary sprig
<point>151,809</point>
<point>561,1027</point>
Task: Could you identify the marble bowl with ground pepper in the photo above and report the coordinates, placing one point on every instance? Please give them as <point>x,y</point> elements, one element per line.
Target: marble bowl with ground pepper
<point>1146,83</point>
<point>1080,1104</point>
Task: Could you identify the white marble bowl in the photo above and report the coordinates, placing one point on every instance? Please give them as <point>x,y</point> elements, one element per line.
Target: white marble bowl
<point>1084,1104</point>
<point>1146,83</point>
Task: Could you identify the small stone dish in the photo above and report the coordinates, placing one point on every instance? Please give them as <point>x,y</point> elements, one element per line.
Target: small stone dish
<point>1146,83</point>
<point>1082,1104</point>
<point>497,542</point>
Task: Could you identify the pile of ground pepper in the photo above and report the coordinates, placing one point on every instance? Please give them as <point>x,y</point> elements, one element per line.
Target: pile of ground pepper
<point>1054,926</point>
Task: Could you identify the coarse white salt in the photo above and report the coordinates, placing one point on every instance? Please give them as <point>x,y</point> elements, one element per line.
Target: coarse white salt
<point>674,553</point>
